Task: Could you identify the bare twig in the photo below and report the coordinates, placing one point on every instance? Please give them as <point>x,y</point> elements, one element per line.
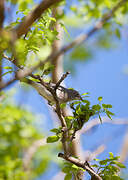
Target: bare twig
<point>32,17</point>
<point>81,164</point>
<point>61,79</point>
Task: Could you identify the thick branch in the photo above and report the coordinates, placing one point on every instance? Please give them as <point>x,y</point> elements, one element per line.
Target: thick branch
<point>32,17</point>
<point>81,164</point>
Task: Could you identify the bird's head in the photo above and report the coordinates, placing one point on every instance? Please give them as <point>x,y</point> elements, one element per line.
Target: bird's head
<point>74,95</point>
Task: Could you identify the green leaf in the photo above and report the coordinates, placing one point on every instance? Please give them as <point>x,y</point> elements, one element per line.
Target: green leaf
<point>96,107</point>
<point>103,162</point>
<point>106,105</point>
<point>68,176</point>
<point>111,155</point>
<point>69,117</point>
<point>84,94</point>
<point>67,168</point>
<point>55,130</point>
<point>63,105</point>
<point>95,165</point>
<point>117,32</point>
<point>120,165</point>
<point>100,98</point>
<point>6,73</point>
<point>63,26</point>
<point>52,139</point>
<point>86,101</point>
<point>8,67</point>
<point>116,177</point>
<point>108,114</point>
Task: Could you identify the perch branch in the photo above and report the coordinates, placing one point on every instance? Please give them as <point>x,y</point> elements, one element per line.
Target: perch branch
<point>84,165</point>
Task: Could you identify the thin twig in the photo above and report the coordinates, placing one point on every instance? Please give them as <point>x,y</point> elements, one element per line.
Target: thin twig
<point>61,79</point>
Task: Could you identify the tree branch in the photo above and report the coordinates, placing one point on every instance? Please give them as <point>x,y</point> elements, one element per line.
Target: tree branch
<point>81,164</point>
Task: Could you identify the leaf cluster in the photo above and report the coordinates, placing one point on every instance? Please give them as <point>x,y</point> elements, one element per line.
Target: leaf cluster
<point>83,111</point>
<point>109,168</point>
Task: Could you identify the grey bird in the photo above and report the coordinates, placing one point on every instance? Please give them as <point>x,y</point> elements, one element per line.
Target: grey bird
<point>64,95</point>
